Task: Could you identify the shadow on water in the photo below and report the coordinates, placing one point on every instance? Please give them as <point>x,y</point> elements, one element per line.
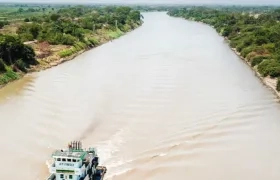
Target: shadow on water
<point>90,129</point>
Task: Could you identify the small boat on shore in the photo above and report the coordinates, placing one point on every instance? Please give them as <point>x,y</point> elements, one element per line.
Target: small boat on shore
<point>75,163</point>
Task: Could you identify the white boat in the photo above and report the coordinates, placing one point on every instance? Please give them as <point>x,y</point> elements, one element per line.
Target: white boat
<point>75,163</point>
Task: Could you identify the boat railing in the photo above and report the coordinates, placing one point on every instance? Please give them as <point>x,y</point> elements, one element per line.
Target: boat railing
<point>51,177</point>
<point>87,177</point>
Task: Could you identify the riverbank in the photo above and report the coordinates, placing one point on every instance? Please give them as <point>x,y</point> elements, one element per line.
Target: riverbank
<point>269,82</point>
<point>54,59</point>
<point>253,36</point>
<point>40,42</point>
<point>259,56</point>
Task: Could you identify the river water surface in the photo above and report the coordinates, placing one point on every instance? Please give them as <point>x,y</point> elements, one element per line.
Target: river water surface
<point>169,100</point>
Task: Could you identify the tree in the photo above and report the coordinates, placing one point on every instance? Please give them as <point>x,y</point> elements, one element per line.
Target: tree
<point>278,84</point>
<point>20,10</point>
<point>227,31</point>
<point>3,23</point>
<point>12,49</point>
<point>55,17</point>
<point>26,37</point>
<point>135,15</point>
<point>34,30</point>
<point>2,66</point>
<point>87,23</point>
<point>29,29</point>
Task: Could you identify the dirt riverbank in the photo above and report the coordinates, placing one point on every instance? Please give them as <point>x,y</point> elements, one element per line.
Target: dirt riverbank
<point>53,58</point>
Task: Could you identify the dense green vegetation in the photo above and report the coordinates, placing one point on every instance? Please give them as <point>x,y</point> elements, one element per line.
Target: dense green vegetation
<point>69,25</point>
<point>77,28</point>
<point>255,34</point>
<point>14,56</point>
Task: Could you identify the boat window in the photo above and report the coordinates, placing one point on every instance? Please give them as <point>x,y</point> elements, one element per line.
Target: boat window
<point>63,159</point>
<point>58,159</point>
<point>74,160</point>
<point>61,175</point>
<point>70,176</point>
<point>68,160</point>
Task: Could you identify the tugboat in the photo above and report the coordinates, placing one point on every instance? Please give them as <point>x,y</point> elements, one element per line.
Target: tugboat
<point>75,163</point>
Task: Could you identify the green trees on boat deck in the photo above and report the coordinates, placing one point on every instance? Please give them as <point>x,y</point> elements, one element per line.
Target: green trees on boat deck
<point>255,34</point>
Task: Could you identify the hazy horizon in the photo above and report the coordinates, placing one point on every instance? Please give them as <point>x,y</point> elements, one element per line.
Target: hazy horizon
<point>193,2</point>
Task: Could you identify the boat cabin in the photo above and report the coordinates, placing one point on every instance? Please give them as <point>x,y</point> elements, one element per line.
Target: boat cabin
<point>71,164</point>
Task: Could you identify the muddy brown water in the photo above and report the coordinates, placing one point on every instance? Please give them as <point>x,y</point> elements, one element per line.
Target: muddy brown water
<point>169,100</point>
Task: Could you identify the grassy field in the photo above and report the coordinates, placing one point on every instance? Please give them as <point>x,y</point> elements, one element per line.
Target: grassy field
<point>13,12</point>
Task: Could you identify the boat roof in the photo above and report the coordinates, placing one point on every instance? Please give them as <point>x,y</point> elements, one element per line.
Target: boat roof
<point>73,154</point>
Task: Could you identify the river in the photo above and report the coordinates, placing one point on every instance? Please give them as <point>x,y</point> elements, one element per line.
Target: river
<point>169,100</point>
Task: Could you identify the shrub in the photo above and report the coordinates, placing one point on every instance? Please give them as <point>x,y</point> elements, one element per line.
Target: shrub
<point>226,31</point>
<point>88,43</point>
<point>67,39</point>
<point>54,38</point>
<point>115,34</point>
<point>27,29</point>
<point>74,50</point>
<point>54,17</point>
<point>67,52</point>
<point>248,40</point>
<point>257,60</point>
<point>16,51</point>
<point>278,84</point>
<point>8,76</point>
<point>261,50</point>
<point>270,47</point>
<point>26,37</point>
<point>233,44</point>
<point>79,46</point>
<point>251,55</point>
<point>34,30</point>
<point>3,23</point>
<point>21,65</point>
<point>239,47</point>
<point>93,41</point>
<point>260,40</point>
<point>34,18</point>
<point>269,67</point>
<point>2,66</point>
<point>126,28</point>
<point>246,51</point>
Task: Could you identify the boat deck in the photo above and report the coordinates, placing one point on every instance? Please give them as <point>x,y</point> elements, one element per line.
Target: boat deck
<point>99,175</point>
